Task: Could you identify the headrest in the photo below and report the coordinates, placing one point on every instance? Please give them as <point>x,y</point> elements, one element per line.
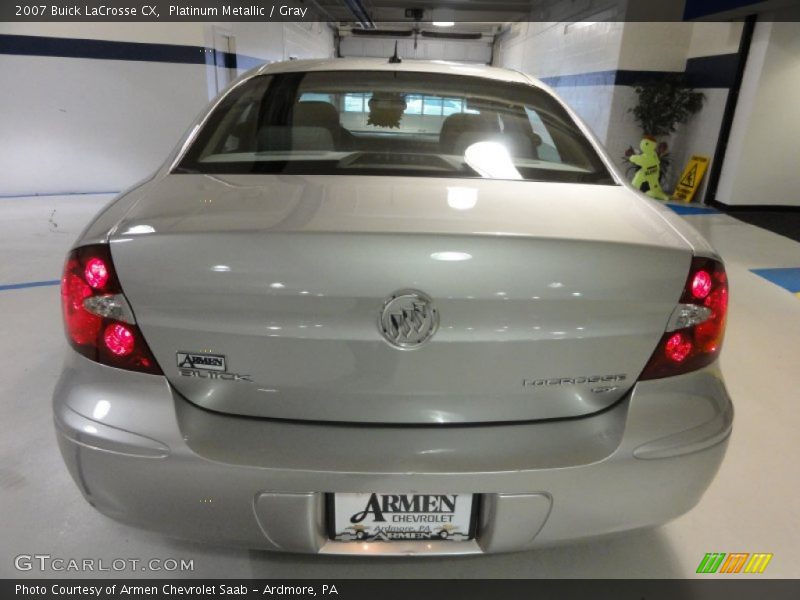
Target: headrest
<point>315,114</point>
<point>462,125</point>
<point>273,138</point>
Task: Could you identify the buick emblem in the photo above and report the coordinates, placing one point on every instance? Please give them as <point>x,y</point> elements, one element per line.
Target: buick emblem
<point>408,319</point>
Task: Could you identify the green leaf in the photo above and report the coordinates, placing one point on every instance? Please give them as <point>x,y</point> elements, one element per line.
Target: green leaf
<point>664,105</point>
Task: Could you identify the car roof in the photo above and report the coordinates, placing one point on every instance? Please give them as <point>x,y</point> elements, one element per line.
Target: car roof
<point>408,65</point>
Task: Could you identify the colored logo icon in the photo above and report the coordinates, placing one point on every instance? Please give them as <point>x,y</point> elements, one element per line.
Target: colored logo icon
<point>735,562</point>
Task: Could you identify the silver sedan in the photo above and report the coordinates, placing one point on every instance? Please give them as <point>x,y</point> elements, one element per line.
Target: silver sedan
<point>390,308</point>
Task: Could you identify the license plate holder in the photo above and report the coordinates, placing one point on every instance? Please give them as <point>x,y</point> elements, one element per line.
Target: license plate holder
<point>399,517</point>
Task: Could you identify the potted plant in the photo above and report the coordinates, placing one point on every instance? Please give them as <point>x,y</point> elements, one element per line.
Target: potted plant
<point>661,107</point>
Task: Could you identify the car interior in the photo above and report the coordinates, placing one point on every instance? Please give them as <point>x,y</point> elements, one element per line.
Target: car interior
<point>316,126</point>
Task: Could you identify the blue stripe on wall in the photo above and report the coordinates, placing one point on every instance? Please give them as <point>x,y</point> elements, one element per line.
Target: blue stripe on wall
<point>704,72</point>
<point>581,79</point>
<point>30,45</point>
<point>29,284</point>
<point>48,194</point>
<point>694,9</point>
<point>712,71</point>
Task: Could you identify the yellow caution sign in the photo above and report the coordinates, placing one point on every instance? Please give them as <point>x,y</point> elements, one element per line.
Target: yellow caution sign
<point>691,178</point>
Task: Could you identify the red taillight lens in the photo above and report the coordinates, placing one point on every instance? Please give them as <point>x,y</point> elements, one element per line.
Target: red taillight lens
<point>701,284</point>
<point>82,326</point>
<point>119,339</point>
<point>678,347</point>
<point>96,273</point>
<point>691,348</point>
<point>89,273</point>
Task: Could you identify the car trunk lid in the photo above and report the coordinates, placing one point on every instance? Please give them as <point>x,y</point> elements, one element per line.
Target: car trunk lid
<point>550,297</point>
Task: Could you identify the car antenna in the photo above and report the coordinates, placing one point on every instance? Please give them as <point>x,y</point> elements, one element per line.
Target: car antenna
<point>395,59</point>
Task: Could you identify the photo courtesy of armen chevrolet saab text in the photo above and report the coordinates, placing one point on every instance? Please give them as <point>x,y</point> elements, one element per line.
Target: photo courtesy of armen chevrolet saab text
<point>391,307</point>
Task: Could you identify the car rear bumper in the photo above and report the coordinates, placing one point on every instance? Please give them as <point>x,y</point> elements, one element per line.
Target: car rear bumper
<point>143,455</point>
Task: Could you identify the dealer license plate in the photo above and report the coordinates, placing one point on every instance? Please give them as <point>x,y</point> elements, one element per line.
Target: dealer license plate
<point>402,517</point>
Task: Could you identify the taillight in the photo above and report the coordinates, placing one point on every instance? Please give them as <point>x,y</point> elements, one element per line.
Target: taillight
<point>98,320</point>
<point>697,325</point>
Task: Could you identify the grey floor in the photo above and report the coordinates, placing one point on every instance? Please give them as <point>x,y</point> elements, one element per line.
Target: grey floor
<point>752,505</point>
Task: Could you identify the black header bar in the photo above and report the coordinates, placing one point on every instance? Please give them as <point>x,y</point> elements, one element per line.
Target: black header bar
<point>369,15</point>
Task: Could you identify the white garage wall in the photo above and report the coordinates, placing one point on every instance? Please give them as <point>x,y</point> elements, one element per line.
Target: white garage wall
<point>172,33</point>
<point>761,161</point>
<point>646,49</point>
<point>595,65</point>
<point>709,42</point>
<point>576,58</point>
<point>82,125</point>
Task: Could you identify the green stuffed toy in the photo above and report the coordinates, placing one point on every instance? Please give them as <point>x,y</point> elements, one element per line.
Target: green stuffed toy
<point>649,169</point>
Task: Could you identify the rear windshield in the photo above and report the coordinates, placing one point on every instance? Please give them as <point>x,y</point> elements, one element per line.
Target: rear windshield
<point>393,123</point>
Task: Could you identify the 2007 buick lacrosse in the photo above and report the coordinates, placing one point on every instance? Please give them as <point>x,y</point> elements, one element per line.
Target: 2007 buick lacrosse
<point>389,308</point>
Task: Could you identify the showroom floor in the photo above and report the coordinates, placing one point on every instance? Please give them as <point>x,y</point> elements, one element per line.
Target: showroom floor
<point>750,507</point>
